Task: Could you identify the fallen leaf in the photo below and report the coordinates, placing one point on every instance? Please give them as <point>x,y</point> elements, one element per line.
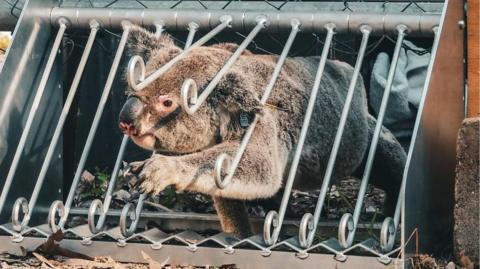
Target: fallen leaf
<point>52,248</point>
<point>44,260</point>
<point>465,261</point>
<point>450,265</point>
<point>86,263</point>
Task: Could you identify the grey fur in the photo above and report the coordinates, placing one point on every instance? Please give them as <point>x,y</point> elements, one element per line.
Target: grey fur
<point>197,140</point>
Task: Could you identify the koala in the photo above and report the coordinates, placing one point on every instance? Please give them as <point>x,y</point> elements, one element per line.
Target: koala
<point>186,146</point>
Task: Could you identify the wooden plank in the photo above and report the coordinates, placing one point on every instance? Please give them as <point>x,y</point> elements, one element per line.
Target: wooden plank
<point>473,54</point>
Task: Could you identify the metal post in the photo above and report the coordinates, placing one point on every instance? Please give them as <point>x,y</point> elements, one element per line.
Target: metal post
<point>21,203</point>
<point>57,206</point>
<point>348,223</point>
<point>309,222</point>
<point>232,165</point>
<point>62,22</point>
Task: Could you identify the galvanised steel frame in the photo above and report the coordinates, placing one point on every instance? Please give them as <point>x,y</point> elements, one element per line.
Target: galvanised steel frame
<point>304,245</point>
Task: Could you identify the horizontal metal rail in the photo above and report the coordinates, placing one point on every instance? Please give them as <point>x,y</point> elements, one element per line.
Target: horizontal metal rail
<point>178,254</point>
<point>246,20</point>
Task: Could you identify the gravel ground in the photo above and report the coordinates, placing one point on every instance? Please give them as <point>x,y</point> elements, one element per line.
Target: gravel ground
<point>341,198</point>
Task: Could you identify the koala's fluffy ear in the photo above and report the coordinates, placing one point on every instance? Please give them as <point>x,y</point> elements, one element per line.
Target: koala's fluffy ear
<point>236,94</point>
<point>143,42</point>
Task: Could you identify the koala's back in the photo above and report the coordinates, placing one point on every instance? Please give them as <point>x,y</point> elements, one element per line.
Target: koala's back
<point>325,119</point>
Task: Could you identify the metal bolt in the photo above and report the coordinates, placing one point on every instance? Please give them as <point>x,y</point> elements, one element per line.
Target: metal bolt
<point>461,24</point>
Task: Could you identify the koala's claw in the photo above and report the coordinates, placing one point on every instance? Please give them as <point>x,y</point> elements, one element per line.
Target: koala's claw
<point>154,174</point>
<point>136,167</point>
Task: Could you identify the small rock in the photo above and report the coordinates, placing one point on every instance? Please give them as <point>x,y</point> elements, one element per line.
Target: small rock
<point>334,194</point>
<point>450,265</point>
<point>122,195</point>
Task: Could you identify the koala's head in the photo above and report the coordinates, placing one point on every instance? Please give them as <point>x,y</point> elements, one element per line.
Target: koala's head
<point>153,117</point>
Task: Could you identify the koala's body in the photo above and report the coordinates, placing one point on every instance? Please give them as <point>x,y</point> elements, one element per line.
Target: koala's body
<point>188,145</point>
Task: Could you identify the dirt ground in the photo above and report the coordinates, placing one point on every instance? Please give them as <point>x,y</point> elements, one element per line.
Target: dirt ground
<point>42,260</point>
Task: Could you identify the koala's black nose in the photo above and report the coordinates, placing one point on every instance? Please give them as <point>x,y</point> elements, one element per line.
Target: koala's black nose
<point>131,110</point>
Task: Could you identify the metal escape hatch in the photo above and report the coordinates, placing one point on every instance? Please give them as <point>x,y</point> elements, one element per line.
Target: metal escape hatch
<point>33,204</point>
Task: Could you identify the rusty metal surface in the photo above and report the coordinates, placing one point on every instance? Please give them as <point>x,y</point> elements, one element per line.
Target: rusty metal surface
<point>430,185</point>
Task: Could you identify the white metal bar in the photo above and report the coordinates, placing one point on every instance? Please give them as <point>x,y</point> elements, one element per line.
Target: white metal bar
<point>221,181</point>
<point>274,218</point>
<point>348,223</point>
<point>191,102</point>
<point>145,81</point>
<point>57,206</point>
<point>309,222</point>
<point>33,111</point>
<point>21,202</point>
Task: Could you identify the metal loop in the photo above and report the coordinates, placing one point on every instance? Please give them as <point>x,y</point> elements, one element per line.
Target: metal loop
<point>95,207</point>
<point>271,219</point>
<point>346,231</point>
<point>306,242</point>
<point>223,163</point>
<point>134,74</point>
<point>21,204</point>
<point>387,234</point>
<point>128,211</point>
<point>189,95</point>
<point>306,231</point>
<point>308,224</point>
<point>57,207</point>
<point>353,219</point>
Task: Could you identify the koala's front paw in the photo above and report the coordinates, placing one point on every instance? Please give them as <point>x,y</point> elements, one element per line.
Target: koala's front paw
<point>156,173</point>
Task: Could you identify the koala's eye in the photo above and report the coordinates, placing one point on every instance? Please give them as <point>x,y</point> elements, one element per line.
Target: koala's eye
<point>167,103</point>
